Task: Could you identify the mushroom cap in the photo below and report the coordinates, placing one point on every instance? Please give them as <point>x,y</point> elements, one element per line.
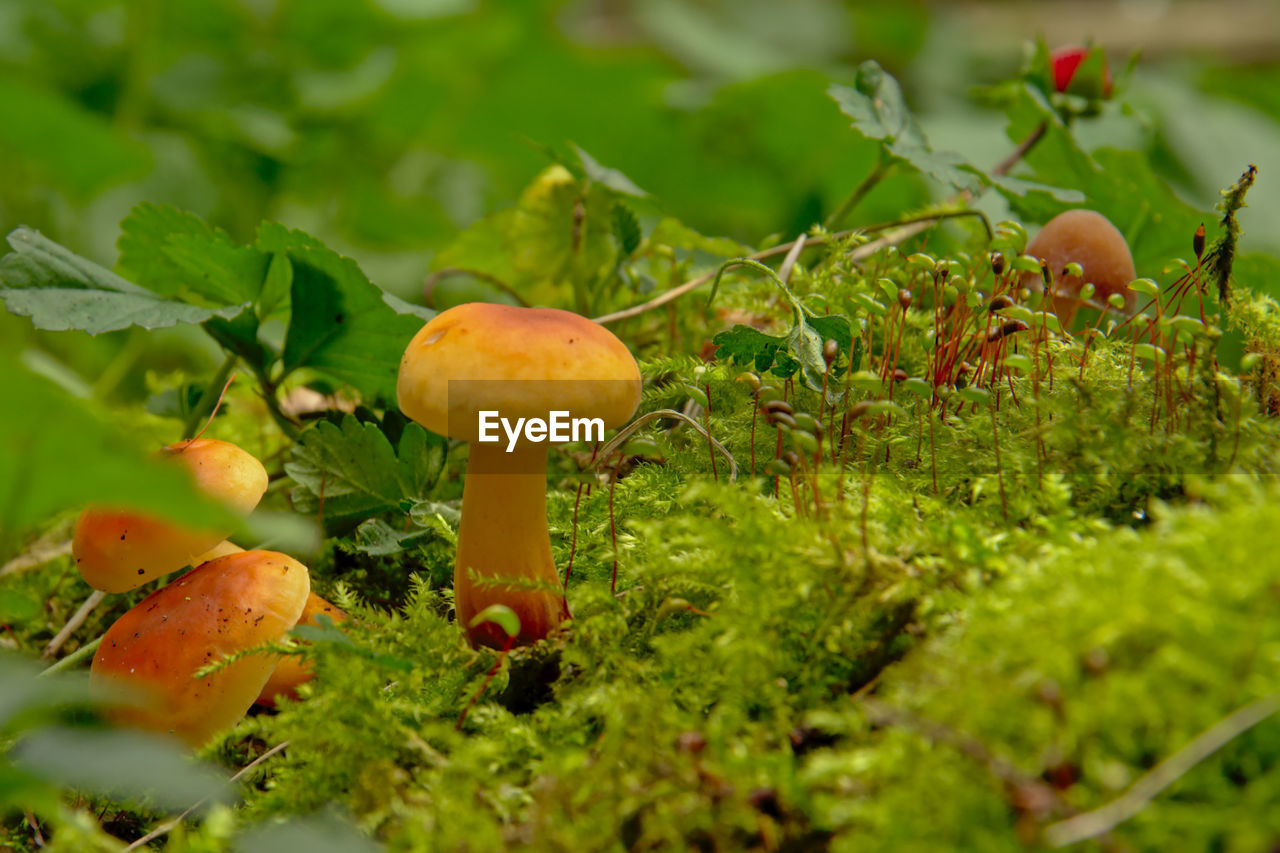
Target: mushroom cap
<point>225,606</point>
<point>1087,238</point>
<point>118,550</point>
<point>292,672</point>
<point>519,362</point>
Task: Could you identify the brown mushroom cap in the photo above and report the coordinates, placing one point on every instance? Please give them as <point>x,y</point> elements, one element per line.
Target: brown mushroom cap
<point>1087,238</point>
<point>512,355</point>
<point>225,606</point>
<point>292,672</point>
<point>117,550</point>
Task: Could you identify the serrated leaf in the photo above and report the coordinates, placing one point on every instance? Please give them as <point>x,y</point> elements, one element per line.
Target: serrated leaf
<point>746,345</point>
<point>879,112</point>
<point>626,229</point>
<point>360,475</point>
<point>340,322</point>
<point>59,291</point>
<point>378,539</point>
<point>172,252</point>
<point>801,348</point>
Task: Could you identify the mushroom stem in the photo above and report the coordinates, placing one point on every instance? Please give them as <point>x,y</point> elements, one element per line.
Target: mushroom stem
<point>503,536</point>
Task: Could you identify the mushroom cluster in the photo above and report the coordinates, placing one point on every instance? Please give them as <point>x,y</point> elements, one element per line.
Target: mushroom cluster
<point>232,601</point>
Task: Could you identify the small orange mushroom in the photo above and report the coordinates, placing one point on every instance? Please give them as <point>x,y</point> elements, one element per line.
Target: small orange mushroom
<point>292,672</point>
<point>1087,238</point>
<point>118,550</point>
<point>225,606</point>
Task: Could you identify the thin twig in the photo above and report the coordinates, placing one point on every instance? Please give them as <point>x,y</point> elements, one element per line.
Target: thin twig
<point>168,826</point>
<point>1003,167</point>
<point>789,262</point>
<point>905,230</point>
<point>433,280</point>
<point>883,165</point>
<point>37,555</point>
<point>694,283</point>
<point>73,624</point>
<point>36,835</point>
<point>1142,792</point>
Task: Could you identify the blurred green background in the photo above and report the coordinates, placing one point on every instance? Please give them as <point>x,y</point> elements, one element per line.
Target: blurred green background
<point>385,126</point>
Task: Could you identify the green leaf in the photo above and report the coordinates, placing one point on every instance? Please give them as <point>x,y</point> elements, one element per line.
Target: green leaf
<point>240,336</point>
<point>56,454</point>
<point>400,306</point>
<point>833,327</point>
<point>354,466</point>
<point>879,112</point>
<point>801,348</point>
<point>747,345</point>
<point>805,344</point>
<point>172,252</point>
<point>611,178</point>
<point>677,235</point>
<point>1012,188</point>
<point>59,290</point>
<point>38,698</point>
<point>340,322</point>
<point>378,539</point>
<point>120,765</point>
<point>498,614</point>
<point>626,229</point>
<point>559,233</point>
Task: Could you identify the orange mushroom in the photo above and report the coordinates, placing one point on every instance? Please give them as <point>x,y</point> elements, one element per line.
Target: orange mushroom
<point>513,363</point>
<point>118,550</point>
<point>292,672</point>
<point>1089,239</point>
<point>225,606</point>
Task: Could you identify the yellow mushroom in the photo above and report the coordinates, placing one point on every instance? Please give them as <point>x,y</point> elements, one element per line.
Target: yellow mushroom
<point>513,363</point>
